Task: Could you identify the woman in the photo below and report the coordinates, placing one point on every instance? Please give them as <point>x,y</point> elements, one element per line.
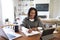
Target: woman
<point>32,21</point>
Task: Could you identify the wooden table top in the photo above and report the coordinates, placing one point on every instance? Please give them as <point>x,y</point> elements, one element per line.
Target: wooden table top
<point>35,37</point>
<point>23,37</point>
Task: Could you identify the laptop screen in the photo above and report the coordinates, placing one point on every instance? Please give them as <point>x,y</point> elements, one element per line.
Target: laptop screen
<point>2,33</point>
<point>48,32</point>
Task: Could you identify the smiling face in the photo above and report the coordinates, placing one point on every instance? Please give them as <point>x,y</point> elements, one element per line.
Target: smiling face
<point>32,14</point>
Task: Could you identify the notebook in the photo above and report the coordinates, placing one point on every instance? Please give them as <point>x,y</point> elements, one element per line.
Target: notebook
<point>25,31</point>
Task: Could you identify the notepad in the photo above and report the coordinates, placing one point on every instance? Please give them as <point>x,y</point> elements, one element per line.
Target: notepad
<point>40,28</point>
<point>25,31</point>
<point>32,33</point>
<point>55,32</point>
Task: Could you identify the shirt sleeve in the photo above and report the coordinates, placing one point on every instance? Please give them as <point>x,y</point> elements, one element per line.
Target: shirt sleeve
<point>40,24</point>
<point>24,23</point>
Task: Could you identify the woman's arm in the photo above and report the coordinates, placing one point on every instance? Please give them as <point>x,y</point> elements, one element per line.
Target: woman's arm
<point>24,23</point>
<point>40,24</point>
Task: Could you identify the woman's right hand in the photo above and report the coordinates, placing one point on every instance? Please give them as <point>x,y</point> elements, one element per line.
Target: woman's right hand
<point>30,30</point>
<point>35,29</point>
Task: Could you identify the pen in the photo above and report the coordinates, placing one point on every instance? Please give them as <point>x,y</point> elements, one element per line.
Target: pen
<point>29,27</point>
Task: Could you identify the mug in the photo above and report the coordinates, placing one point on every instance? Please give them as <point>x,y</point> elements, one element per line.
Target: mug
<point>16,28</point>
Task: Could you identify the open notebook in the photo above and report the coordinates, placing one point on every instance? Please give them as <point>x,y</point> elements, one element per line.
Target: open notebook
<point>9,33</point>
<point>25,31</point>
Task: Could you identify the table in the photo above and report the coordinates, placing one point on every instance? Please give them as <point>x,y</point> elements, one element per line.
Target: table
<point>2,38</point>
<point>23,37</point>
<point>35,37</point>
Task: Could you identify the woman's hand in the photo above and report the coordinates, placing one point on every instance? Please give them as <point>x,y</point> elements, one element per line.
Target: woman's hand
<point>30,30</point>
<point>35,29</point>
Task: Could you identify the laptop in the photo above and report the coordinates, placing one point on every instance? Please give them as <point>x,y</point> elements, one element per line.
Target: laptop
<point>48,32</point>
<point>2,33</point>
<point>8,35</point>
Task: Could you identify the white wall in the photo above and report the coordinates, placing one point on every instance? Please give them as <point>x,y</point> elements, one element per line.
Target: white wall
<point>43,2</point>
<point>36,2</point>
<point>0,14</point>
<point>56,11</point>
<point>7,10</point>
<point>54,8</point>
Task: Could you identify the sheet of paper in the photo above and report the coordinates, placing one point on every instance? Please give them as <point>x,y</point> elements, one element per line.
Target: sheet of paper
<point>39,28</point>
<point>25,31</point>
<point>32,33</point>
<point>55,32</point>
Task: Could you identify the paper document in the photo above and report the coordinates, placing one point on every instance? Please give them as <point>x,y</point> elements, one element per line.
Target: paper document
<point>32,33</point>
<point>25,31</point>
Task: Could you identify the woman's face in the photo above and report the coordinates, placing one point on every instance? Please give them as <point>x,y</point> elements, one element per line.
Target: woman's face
<point>32,14</point>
